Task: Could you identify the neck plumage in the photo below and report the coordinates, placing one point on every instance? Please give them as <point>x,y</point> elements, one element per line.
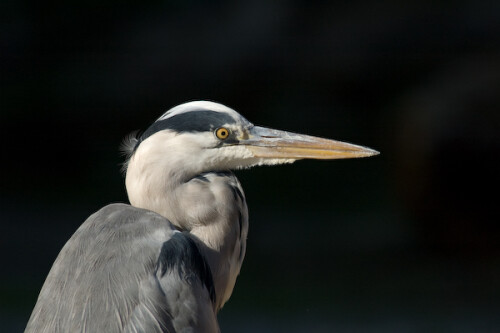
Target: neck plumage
<point>209,205</point>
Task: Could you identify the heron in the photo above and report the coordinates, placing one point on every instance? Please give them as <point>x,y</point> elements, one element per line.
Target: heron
<point>169,261</point>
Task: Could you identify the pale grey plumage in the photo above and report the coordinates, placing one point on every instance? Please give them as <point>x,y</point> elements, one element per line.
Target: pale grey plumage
<point>169,262</point>
<point>107,279</point>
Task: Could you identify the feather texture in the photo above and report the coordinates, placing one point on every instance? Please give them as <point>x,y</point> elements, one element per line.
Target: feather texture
<point>111,276</point>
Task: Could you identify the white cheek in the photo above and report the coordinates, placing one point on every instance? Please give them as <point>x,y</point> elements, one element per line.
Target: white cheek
<point>240,157</point>
<point>275,161</point>
<point>237,152</point>
<point>232,157</point>
<point>198,140</point>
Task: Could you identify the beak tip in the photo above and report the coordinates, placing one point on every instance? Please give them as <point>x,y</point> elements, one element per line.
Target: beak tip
<point>369,153</point>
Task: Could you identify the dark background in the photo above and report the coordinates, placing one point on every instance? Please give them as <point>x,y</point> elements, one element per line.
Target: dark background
<point>408,241</point>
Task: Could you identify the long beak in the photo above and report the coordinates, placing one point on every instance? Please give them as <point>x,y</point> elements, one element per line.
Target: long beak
<point>270,143</point>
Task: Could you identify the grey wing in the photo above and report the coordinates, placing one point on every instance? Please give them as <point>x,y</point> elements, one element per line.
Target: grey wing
<point>126,270</point>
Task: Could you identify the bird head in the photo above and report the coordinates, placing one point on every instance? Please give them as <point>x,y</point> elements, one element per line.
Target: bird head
<point>203,136</point>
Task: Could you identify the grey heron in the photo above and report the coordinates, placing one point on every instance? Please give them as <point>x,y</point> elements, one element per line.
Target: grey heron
<point>169,261</point>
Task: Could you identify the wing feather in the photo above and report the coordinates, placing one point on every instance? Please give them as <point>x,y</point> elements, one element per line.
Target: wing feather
<point>106,279</point>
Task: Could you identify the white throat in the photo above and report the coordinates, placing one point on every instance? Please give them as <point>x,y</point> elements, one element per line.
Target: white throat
<point>211,207</point>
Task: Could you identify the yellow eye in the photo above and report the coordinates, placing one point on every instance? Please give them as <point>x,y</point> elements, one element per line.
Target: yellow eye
<point>222,133</point>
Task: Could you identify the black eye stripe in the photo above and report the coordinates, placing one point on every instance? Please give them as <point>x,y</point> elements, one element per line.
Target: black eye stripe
<point>192,121</point>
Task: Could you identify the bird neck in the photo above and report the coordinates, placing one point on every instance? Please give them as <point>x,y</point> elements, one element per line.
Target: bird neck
<point>209,205</point>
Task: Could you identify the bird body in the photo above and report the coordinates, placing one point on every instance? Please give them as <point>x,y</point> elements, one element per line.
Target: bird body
<point>169,261</point>
<point>110,277</point>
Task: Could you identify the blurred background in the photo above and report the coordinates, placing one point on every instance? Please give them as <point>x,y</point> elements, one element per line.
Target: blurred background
<point>408,241</point>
